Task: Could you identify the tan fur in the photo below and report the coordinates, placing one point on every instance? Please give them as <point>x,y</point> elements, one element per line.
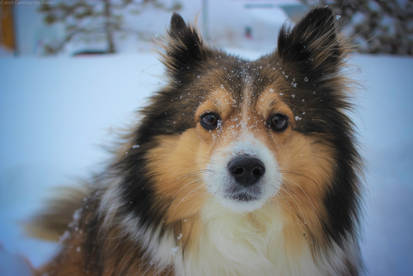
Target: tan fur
<point>306,166</point>
<point>271,102</point>
<point>174,166</point>
<point>54,220</point>
<point>218,101</point>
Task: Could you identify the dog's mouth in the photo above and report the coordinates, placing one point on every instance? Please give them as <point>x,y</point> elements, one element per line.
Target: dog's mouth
<point>243,194</point>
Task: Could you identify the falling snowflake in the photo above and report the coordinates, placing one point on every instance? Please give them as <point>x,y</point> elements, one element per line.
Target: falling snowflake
<point>174,249</point>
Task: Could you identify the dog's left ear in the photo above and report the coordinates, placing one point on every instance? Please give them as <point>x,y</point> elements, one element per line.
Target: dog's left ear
<point>313,44</point>
<point>185,49</point>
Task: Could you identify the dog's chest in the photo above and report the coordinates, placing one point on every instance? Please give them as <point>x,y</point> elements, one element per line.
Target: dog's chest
<point>232,244</point>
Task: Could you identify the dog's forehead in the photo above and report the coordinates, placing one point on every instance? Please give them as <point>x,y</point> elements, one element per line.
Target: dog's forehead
<point>244,79</point>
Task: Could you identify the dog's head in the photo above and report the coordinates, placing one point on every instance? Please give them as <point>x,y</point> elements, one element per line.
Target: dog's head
<point>248,134</point>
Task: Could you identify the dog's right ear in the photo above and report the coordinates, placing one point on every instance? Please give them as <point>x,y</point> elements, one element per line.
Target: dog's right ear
<point>313,44</point>
<point>185,49</point>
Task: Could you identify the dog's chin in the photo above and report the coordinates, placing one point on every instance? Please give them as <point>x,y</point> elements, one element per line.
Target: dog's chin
<point>242,200</point>
<point>243,196</point>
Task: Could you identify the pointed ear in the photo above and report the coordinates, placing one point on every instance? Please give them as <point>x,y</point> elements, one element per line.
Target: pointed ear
<point>184,50</point>
<point>313,44</point>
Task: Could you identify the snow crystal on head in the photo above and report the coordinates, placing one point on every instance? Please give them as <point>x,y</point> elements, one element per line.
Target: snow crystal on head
<point>64,237</point>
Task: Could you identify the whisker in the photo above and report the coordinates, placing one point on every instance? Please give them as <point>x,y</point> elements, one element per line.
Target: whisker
<point>299,218</point>
<point>189,194</point>
<point>304,192</point>
<point>301,175</point>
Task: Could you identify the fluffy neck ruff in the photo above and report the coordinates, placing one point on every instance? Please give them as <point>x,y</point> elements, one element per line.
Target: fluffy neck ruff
<point>244,244</point>
<point>221,242</point>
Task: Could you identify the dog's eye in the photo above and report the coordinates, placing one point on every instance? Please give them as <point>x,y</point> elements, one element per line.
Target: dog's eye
<point>278,122</point>
<point>210,120</point>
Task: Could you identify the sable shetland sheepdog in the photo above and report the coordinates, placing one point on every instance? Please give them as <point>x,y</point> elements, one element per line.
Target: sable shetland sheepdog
<point>237,168</point>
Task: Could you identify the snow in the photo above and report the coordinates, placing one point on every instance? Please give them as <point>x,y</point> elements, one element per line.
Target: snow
<point>174,250</point>
<point>5,52</point>
<point>55,112</point>
<point>12,264</point>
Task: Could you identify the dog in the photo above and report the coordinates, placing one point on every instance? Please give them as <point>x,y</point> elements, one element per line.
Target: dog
<point>236,168</point>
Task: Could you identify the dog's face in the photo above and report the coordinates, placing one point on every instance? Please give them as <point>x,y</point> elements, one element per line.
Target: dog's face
<point>247,137</point>
<point>249,134</point>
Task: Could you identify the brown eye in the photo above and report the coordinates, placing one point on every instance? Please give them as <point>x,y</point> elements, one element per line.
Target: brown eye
<point>210,120</point>
<point>277,122</point>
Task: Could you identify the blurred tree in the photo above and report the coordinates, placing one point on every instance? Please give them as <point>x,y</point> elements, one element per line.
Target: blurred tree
<point>90,19</point>
<point>375,26</point>
<point>7,29</point>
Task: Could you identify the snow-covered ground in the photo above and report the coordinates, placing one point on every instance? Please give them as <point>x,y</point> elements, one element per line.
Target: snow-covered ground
<point>4,52</point>
<point>56,112</point>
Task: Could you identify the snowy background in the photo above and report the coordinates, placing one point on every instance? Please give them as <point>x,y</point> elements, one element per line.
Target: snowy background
<point>57,112</point>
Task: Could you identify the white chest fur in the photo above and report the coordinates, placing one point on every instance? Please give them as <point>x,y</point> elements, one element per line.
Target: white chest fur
<point>232,244</point>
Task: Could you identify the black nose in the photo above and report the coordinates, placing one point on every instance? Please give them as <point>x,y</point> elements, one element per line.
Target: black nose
<point>246,170</point>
